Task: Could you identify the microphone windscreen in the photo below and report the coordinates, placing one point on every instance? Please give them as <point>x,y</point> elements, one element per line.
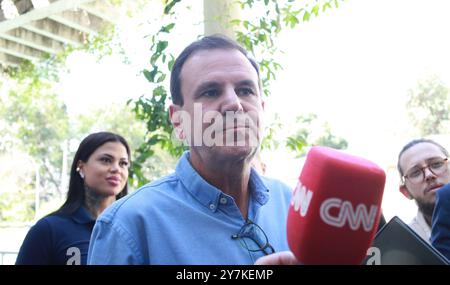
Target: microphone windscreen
<point>335,208</point>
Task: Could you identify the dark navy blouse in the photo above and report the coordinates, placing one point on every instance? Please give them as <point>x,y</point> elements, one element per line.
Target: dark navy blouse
<point>58,239</point>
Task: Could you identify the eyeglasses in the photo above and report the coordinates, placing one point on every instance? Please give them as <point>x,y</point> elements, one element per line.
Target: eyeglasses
<point>253,238</point>
<point>417,174</point>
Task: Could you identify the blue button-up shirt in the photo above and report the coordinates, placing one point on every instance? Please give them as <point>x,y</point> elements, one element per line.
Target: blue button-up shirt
<point>182,219</point>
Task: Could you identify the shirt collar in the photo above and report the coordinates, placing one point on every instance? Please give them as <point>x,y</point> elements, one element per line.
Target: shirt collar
<point>82,216</point>
<point>207,194</point>
<point>258,188</point>
<point>423,223</point>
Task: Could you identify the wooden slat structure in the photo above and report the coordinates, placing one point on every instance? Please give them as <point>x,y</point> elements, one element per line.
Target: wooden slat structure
<point>30,29</point>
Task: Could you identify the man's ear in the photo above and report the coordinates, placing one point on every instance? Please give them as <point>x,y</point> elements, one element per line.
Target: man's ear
<point>405,192</point>
<point>174,116</point>
<point>176,120</point>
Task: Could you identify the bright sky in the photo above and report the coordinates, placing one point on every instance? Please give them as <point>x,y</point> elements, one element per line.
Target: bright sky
<point>352,66</point>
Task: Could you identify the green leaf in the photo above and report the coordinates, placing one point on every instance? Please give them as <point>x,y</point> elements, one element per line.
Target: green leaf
<point>293,21</point>
<point>161,78</point>
<point>166,29</point>
<point>262,37</point>
<point>263,24</point>
<point>159,91</point>
<point>153,140</point>
<point>315,10</point>
<point>277,66</point>
<point>326,5</point>
<point>150,75</point>
<point>169,6</point>
<point>275,24</point>
<point>235,22</point>
<point>147,75</point>
<point>154,58</point>
<point>162,45</point>
<point>171,62</point>
<point>306,16</point>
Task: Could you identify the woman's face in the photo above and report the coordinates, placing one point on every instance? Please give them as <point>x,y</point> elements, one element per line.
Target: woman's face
<point>106,171</point>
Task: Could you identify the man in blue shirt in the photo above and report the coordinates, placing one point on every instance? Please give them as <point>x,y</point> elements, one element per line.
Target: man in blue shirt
<point>215,208</point>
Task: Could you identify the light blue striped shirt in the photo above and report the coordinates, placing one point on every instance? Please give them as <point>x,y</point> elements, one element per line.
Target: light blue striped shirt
<point>182,219</point>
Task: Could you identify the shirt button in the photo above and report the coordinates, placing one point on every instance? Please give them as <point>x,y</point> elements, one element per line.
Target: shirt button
<point>223,200</point>
<point>212,207</point>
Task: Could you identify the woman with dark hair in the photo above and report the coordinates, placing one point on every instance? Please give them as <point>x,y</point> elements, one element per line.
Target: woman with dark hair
<point>98,177</point>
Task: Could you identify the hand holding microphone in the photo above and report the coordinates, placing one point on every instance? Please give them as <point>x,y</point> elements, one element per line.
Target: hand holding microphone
<point>278,258</point>
<point>335,208</point>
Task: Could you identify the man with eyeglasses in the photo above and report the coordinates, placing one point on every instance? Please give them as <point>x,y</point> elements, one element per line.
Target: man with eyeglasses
<point>423,168</point>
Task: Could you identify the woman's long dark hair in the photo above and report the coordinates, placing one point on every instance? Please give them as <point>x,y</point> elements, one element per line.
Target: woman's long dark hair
<point>76,193</point>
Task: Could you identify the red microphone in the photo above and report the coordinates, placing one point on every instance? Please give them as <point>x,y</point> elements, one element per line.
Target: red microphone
<point>335,208</point>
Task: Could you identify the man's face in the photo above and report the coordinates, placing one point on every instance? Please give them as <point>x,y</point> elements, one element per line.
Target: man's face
<point>222,100</point>
<point>417,157</point>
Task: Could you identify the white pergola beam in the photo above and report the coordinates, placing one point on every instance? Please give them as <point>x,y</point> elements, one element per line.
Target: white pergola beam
<point>34,40</point>
<point>9,60</point>
<point>20,51</point>
<point>36,14</point>
<point>102,9</point>
<point>53,30</point>
<point>79,20</point>
<point>36,31</point>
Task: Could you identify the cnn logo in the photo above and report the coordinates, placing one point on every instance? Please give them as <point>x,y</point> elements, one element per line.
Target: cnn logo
<point>357,217</point>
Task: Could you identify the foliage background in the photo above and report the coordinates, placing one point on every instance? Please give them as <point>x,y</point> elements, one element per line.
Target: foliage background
<point>30,102</point>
